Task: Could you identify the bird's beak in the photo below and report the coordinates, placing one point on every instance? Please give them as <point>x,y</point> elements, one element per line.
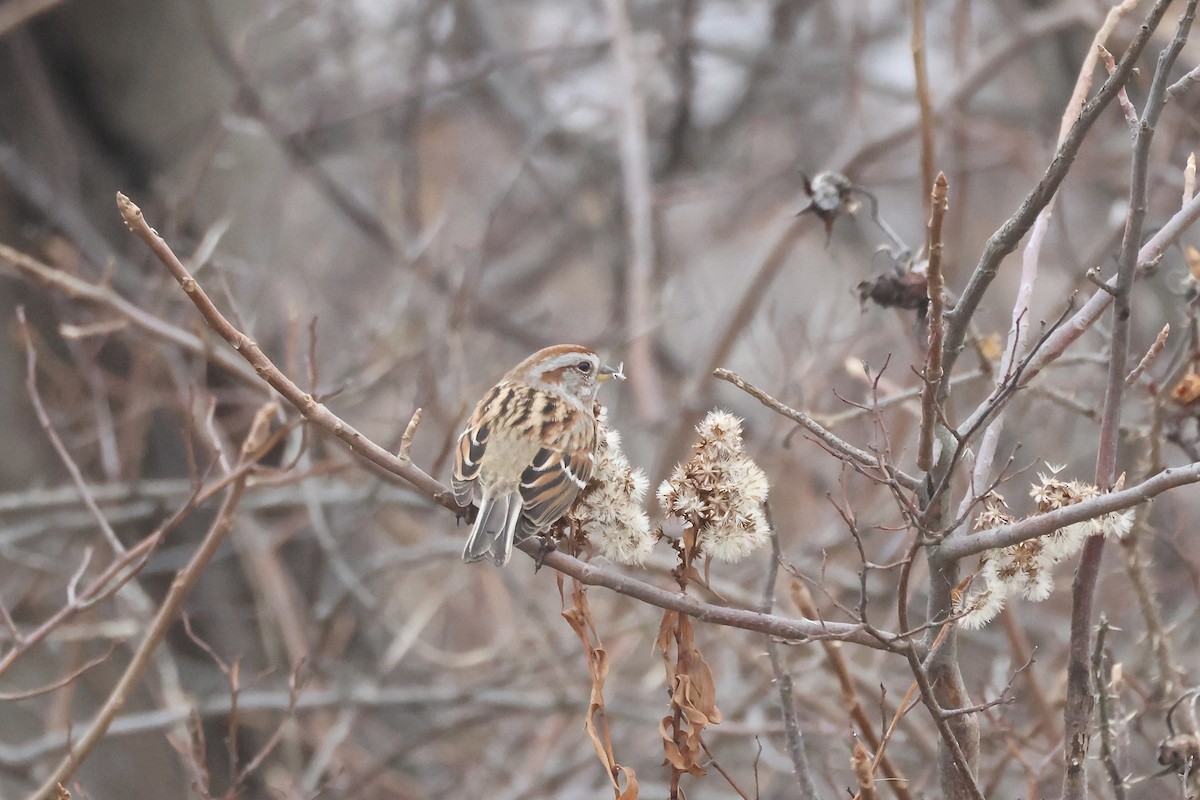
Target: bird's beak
<point>607,373</point>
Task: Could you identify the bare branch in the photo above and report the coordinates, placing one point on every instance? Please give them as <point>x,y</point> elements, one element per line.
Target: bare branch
<point>313,411</point>
<point>144,653</point>
<point>937,327</point>
<point>924,103</point>
<point>1160,342</point>
<point>1005,239</point>
<point>1077,714</point>
<point>105,297</point>
<point>834,442</point>
<point>44,418</point>
<point>783,680</point>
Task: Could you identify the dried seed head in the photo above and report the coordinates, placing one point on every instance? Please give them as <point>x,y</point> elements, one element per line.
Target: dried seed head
<point>982,607</point>
<point>994,514</point>
<point>1026,569</point>
<point>609,512</point>
<point>720,490</point>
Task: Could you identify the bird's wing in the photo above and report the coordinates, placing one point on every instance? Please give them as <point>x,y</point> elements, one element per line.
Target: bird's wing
<point>550,484</point>
<point>468,454</point>
<point>471,444</point>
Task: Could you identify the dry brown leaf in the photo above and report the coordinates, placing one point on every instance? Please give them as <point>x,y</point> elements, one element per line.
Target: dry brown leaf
<point>666,633</point>
<point>1193,260</point>
<point>579,617</point>
<point>630,792</point>
<point>693,695</point>
<point>991,347</point>
<point>1187,391</point>
<point>702,690</point>
<point>860,762</point>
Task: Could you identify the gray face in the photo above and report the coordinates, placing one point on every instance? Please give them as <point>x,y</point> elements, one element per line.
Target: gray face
<point>565,369</point>
<point>574,374</point>
<point>579,379</point>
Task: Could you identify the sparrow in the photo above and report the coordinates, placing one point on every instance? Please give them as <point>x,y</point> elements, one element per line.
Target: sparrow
<point>529,448</point>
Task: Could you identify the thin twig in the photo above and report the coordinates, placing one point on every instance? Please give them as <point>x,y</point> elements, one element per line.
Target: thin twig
<point>961,761</point>
<point>1184,83</point>
<point>312,410</point>
<point>924,103</point>
<point>105,297</point>
<point>64,455</point>
<point>1101,670</point>
<point>836,660</point>
<point>119,572</point>
<point>830,439</point>
<point>1006,238</point>
<point>937,326</point>
<point>1123,100</point>
<point>1160,342</point>
<point>157,630</point>
<point>1082,320</point>
<point>1038,25</point>
<point>1019,328</point>
<point>785,628</point>
<point>783,680</point>
<point>406,441</point>
<point>6,697</point>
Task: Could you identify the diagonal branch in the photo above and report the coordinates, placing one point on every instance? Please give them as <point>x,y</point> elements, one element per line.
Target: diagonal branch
<point>827,437</point>
<point>157,630</point>
<point>320,416</point>
<point>107,298</point>
<point>304,402</point>
<point>1006,238</point>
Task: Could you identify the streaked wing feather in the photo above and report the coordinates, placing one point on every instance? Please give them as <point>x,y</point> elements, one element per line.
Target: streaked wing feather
<point>551,483</point>
<point>468,453</point>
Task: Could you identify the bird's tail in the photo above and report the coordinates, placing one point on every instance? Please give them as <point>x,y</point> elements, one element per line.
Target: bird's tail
<point>495,529</point>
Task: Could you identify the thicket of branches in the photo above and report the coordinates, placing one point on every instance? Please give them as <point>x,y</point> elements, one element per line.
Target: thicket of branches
<point>935,258</point>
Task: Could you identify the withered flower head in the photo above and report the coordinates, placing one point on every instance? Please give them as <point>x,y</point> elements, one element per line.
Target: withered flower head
<point>1025,569</point>
<point>609,512</point>
<point>720,491</point>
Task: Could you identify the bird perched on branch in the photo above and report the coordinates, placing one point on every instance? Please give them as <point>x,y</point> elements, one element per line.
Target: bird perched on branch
<point>529,448</point>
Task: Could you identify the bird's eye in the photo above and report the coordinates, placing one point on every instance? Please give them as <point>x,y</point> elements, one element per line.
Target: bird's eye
<point>584,366</point>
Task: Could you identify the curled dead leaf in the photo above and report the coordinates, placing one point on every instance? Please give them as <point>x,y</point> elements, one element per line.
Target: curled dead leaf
<point>579,617</point>
<point>693,695</point>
